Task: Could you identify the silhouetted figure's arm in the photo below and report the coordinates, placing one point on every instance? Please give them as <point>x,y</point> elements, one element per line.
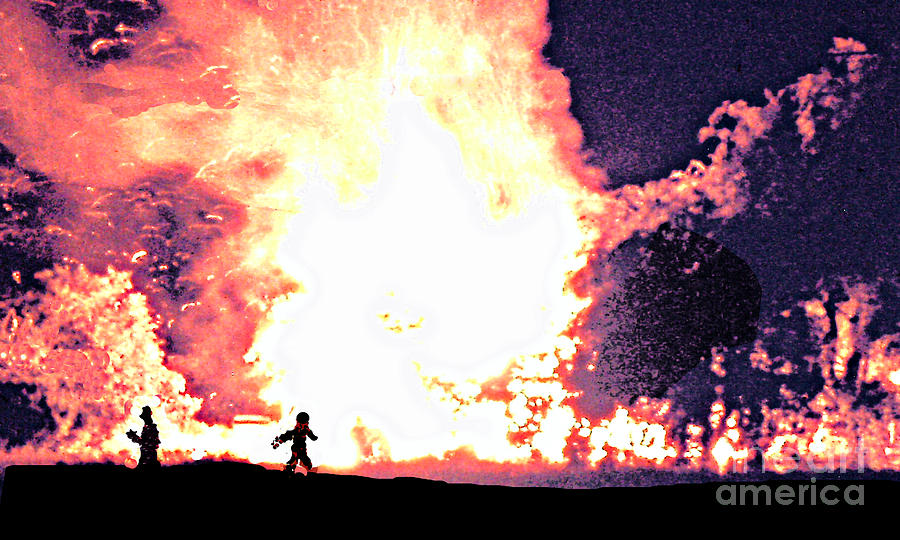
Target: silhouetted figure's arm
<point>133,436</point>
<point>311,434</point>
<point>284,437</point>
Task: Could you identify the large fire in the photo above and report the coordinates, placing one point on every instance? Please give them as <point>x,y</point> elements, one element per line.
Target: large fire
<point>377,213</point>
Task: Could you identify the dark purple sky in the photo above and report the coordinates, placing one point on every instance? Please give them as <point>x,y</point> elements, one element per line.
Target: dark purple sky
<point>645,79</point>
<point>646,76</point>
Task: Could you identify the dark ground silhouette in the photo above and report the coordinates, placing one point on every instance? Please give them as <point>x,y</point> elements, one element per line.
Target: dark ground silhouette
<point>251,493</point>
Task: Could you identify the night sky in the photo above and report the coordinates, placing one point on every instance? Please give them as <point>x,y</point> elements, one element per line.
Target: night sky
<point>644,79</point>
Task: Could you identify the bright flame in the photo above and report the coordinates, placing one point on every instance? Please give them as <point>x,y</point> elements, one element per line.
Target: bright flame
<point>477,292</point>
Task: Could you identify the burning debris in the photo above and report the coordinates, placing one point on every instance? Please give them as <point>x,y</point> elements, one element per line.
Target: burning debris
<point>677,295</point>
<point>97,31</point>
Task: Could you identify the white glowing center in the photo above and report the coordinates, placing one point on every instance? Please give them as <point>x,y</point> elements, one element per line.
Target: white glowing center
<point>415,277</point>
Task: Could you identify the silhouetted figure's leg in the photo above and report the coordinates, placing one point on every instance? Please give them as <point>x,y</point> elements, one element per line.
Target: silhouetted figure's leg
<point>304,459</point>
<point>292,463</point>
<point>148,461</point>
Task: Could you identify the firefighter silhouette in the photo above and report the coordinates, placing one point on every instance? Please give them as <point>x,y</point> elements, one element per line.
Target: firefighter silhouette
<point>298,446</point>
<point>148,441</point>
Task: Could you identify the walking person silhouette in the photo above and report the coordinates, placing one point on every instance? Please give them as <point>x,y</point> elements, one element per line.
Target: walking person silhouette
<point>298,447</point>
